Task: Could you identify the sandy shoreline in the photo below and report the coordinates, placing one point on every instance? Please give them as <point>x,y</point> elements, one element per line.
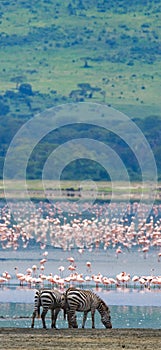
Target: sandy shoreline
<point>33,339</point>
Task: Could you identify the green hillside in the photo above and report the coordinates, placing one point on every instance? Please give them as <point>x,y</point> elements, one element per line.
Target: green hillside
<point>101,51</point>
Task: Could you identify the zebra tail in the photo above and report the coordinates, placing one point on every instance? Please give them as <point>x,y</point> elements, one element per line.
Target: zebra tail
<point>66,306</point>
<point>37,304</point>
<point>38,311</point>
<point>65,313</point>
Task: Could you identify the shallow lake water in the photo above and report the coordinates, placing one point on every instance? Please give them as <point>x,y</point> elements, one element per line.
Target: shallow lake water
<point>131,306</point>
<point>19,315</point>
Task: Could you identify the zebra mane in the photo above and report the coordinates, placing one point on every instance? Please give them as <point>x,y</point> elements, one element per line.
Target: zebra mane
<point>102,304</point>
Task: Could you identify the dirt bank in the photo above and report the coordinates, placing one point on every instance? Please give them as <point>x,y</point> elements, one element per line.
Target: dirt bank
<point>65,339</point>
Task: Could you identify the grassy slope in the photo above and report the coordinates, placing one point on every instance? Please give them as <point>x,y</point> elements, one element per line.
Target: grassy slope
<point>61,68</point>
<point>48,50</point>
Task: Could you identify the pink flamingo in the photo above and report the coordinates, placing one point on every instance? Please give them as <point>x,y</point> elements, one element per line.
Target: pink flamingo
<point>88,264</point>
<point>135,279</point>
<point>71,259</point>
<point>61,269</point>
<point>106,282</point>
<point>71,268</point>
<point>159,255</point>
<point>43,261</point>
<point>6,275</point>
<point>97,279</point>
<point>2,280</point>
<point>118,251</point>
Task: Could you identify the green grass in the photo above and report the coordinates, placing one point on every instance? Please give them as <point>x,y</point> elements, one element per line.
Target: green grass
<point>119,192</point>
<point>63,76</point>
<point>47,48</point>
<point>37,185</point>
<point>61,68</point>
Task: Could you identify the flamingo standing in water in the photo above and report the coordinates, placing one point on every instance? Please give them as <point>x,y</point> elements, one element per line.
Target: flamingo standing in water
<point>61,269</point>
<point>2,280</point>
<point>6,275</point>
<point>118,251</point>
<point>88,264</point>
<point>97,279</point>
<point>159,256</point>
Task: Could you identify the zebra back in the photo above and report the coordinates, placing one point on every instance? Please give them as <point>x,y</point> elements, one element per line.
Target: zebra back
<point>50,298</point>
<point>87,300</point>
<point>82,299</point>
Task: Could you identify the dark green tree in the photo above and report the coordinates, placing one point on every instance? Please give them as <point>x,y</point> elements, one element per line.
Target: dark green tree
<point>26,89</point>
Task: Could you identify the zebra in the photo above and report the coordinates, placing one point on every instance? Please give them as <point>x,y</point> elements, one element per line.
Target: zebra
<point>49,299</point>
<point>85,300</point>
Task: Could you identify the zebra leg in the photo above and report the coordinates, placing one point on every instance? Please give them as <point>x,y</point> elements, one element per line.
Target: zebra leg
<point>33,319</point>
<point>84,318</point>
<point>43,317</point>
<point>69,320</point>
<point>54,315</point>
<point>72,320</point>
<point>92,314</point>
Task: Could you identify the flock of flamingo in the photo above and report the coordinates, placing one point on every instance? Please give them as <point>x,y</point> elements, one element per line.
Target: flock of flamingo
<point>33,278</point>
<point>62,225</point>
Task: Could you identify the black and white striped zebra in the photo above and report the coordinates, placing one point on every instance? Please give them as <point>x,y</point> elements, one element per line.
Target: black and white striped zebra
<point>49,299</point>
<point>85,300</point>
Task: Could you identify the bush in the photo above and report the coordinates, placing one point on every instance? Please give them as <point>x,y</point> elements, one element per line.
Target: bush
<point>26,89</point>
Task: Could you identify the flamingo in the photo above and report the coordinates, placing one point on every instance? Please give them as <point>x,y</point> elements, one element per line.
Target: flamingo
<point>43,261</point>
<point>145,250</point>
<point>34,268</point>
<point>88,279</point>
<point>97,279</point>
<point>2,280</point>
<point>45,253</point>
<point>159,255</point>
<point>112,281</point>
<point>6,275</point>
<point>61,269</point>
<point>135,279</point>
<point>71,268</point>
<point>20,276</point>
<point>61,283</point>
<point>80,279</point>
<point>88,264</point>
<point>118,251</point>
<point>71,259</point>
<point>105,281</point>
<point>142,281</point>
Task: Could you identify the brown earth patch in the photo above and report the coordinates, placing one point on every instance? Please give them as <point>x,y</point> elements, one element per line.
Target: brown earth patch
<point>66,339</point>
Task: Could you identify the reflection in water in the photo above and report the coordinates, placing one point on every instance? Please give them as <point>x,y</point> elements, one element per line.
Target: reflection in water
<point>19,315</point>
<point>120,296</point>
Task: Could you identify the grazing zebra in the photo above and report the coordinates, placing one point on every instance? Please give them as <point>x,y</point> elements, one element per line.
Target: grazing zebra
<point>49,299</point>
<point>85,300</point>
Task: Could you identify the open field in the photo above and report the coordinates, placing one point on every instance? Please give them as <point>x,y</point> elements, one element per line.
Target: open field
<point>29,339</point>
<point>62,189</point>
<point>119,45</point>
<point>54,53</point>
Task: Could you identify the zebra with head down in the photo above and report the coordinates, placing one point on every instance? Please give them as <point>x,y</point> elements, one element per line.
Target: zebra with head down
<point>85,300</point>
<point>49,299</point>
